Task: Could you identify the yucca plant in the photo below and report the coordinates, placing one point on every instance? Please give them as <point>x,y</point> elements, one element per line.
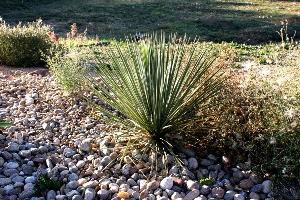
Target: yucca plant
<point>156,84</point>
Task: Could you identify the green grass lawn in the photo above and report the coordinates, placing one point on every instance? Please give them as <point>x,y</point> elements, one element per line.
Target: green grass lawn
<point>252,21</point>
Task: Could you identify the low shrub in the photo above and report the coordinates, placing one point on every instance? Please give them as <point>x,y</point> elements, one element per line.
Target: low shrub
<point>259,117</point>
<point>24,45</point>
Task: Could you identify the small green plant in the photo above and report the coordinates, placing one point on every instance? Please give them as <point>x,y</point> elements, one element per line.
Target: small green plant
<point>45,183</point>
<point>23,45</point>
<point>206,181</point>
<point>5,124</point>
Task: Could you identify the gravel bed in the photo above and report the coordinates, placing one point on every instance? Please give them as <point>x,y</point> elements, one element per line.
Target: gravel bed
<point>53,135</point>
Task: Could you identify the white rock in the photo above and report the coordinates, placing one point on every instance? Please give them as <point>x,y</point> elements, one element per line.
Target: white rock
<point>89,194</point>
<point>175,196</point>
<point>29,100</point>
<point>192,185</point>
<point>80,164</point>
<point>166,183</point>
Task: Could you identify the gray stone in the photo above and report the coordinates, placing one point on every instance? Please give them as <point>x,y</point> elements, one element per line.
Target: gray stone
<point>8,189</point>
<point>2,137</point>
<point>135,194</point>
<point>18,179</point>
<point>169,192</point>
<point>12,165</point>
<point>267,186</point>
<point>10,172</point>
<point>72,185</point>
<point>166,183</point>
<point>68,152</point>
<point>103,194</point>
<point>192,163</point>
<point>174,170</point>
<point>246,184</point>
<point>5,181</point>
<point>51,195</point>
<point>13,147</point>
<point>113,187</point>
<point>124,187</point>
<point>27,193</point>
<point>253,196</point>
<point>201,197</point>
<point>257,188</point>
<point>61,197</point>
<point>175,196</point>
<point>212,157</point>
<point>46,126</point>
<point>105,160</point>
<point>25,153</point>
<point>6,155</point>
<point>49,163</point>
<point>131,182</point>
<point>142,183</point>
<point>188,173</point>
<point>30,179</point>
<point>192,195</point>
<point>239,197</point>
<point>229,195</point>
<point>206,162</point>
<point>127,169</point>
<point>217,192</point>
<point>80,164</point>
<point>90,184</point>
<point>153,185</point>
<point>89,194</point>
<point>2,161</point>
<point>73,177</point>
<point>19,184</point>
<point>237,175</point>
<point>162,198</point>
<point>77,197</point>
<point>205,189</point>
<point>27,169</point>
<point>86,145</point>
<point>72,193</point>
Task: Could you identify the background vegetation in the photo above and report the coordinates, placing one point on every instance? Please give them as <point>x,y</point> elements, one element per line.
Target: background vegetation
<point>253,21</point>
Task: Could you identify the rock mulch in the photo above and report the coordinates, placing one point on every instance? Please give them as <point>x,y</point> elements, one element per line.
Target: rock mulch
<point>53,135</point>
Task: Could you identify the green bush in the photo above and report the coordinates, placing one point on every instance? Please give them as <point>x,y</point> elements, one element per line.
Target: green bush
<point>24,45</point>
